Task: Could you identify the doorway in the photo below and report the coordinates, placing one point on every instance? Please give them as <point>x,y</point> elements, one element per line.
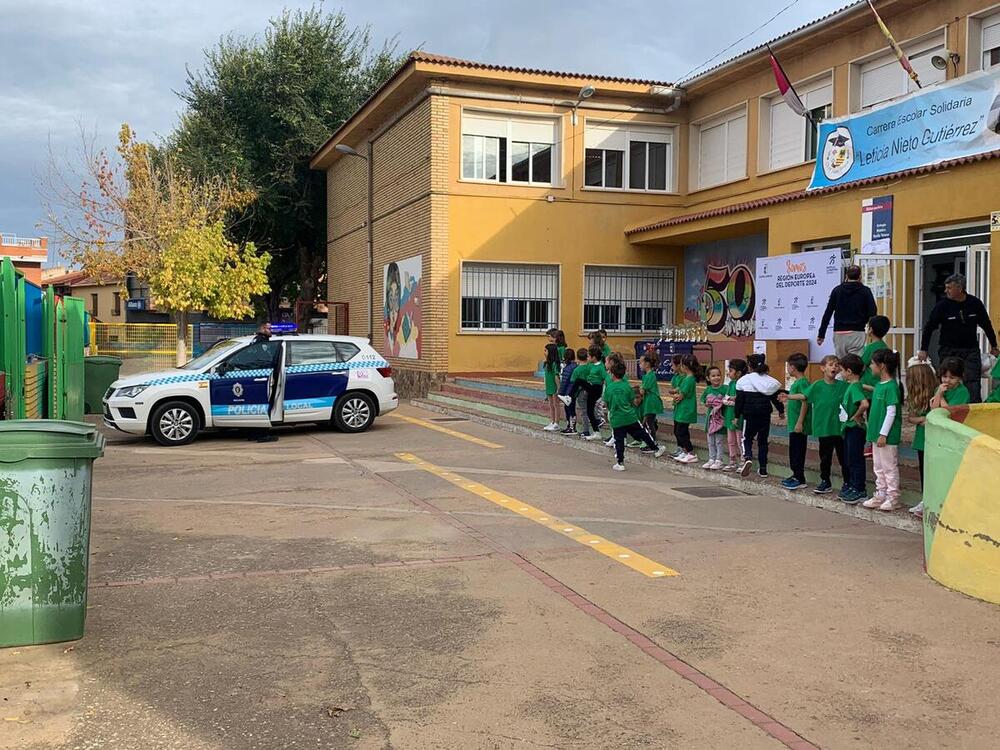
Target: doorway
<point>935,269</point>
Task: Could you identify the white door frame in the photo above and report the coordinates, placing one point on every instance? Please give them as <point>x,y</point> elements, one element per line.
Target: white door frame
<point>906,282</point>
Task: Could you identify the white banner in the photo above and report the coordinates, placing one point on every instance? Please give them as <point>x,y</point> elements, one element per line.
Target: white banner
<point>792,292</point>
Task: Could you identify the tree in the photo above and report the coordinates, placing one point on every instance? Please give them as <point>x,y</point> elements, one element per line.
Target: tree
<point>259,109</point>
<point>136,214</point>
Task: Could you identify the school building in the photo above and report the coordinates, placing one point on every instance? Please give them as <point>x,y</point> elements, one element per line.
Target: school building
<point>471,206</point>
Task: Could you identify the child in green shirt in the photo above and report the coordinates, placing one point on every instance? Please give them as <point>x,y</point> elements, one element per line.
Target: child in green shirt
<point>952,391</point>
<point>686,407</point>
<point>877,329</point>
<point>852,416</point>
<point>824,398</point>
<point>885,424</point>
<point>799,419</point>
<point>624,417</point>
<point>649,389</point>
<point>714,398</point>
<point>734,427</point>
<point>551,370</point>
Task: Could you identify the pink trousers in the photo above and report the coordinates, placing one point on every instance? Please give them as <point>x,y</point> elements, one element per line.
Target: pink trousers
<point>735,449</point>
<point>886,461</point>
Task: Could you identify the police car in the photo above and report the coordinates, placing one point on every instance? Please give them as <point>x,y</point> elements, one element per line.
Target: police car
<point>248,382</point>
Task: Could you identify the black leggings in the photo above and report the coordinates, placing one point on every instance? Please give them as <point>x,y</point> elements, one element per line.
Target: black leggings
<point>920,458</point>
<point>593,396</point>
<point>756,427</point>
<point>651,425</point>
<point>634,430</point>
<point>682,434</point>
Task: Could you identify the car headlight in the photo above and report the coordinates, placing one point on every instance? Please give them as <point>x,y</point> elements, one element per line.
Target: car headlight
<point>130,391</point>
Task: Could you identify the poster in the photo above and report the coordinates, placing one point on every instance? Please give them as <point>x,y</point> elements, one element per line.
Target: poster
<point>939,123</point>
<point>401,310</point>
<point>876,226</point>
<point>793,291</point>
<point>720,291</point>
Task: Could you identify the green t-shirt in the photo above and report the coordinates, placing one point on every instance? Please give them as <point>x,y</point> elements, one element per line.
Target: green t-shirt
<point>824,407</point>
<point>580,373</point>
<point>651,401</point>
<point>994,397</point>
<point>686,410</point>
<point>605,349</point>
<point>886,394</point>
<point>794,407</point>
<point>918,434</point>
<point>957,396</point>
<point>551,379</point>
<point>713,391</point>
<point>869,378</point>
<point>619,398</point>
<point>853,396</point>
<point>729,412</point>
<point>596,373</point>
<point>675,381</point>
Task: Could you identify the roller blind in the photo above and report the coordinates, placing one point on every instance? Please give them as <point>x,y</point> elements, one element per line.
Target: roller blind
<point>712,155</point>
<point>927,73</point>
<point>474,124</point>
<point>650,135</point>
<point>991,33</point>
<point>533,131</point>
<point>510,281</point>
<point>787,134</point>
<point>881,81</point>
<point>736,148</point>
<point>605,137</point>
<point>818,97</point>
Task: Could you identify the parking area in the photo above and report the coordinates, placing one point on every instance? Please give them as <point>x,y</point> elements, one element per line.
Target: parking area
<point>433,583</point>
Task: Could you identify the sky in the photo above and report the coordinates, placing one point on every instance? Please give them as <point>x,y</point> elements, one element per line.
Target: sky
<point>93,64</point>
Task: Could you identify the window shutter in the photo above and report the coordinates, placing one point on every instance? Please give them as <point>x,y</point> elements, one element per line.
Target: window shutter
<point>927,73</point>
<point>650,135</point>
<point>475,124</point>
<point>736,148</point>
<point>712,155</point>
<point>787,134</point>
<point>533,131</point>
<point>880,81</point>
<point>605,137</point>
<point>818,97</point>
<point>991,33</point>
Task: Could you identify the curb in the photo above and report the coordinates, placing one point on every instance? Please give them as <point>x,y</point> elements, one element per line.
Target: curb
<point>900,520</point>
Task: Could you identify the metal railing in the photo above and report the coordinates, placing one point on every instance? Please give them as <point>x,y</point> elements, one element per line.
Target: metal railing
<point>12,240</point>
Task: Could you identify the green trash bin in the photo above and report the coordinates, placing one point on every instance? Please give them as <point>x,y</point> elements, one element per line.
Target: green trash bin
<point>98,375</point>
<point>45,480</point>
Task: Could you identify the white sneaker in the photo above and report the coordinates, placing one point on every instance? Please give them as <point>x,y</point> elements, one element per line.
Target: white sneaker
<point>688,458</point>
<point>552,427</point>
<point>918,509</point>
<point>708,464</point>
<point>716,466</point>
<point>618,467</point>
<point>610,442</point>
<point>566,400</point>
<point>660,451</point>
<point>594,436</point>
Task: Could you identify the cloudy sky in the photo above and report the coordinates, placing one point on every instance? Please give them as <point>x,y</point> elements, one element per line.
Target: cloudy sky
<point>97,63</point>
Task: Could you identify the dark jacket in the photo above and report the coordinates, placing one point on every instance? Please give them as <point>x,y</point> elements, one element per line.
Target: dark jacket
<point>958,322</point>
<point>851,305</point>
<point>565,382</point>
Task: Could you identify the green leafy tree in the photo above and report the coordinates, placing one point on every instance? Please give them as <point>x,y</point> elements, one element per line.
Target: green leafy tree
<point>259,108</point>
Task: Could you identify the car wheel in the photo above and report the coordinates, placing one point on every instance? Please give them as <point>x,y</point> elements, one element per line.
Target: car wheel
<point>354,412</point>
<point>175,423</point>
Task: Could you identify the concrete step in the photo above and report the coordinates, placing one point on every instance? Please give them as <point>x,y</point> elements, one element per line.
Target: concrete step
<point>753,485</point>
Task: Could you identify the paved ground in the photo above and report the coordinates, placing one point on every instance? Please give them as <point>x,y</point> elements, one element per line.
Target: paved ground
<point>326,592</point>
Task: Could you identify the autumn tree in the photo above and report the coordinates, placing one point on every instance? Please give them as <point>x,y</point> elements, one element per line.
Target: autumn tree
<point>136,212</point>
<point>259,108</point>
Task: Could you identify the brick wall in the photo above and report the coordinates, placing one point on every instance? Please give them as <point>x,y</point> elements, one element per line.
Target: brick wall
<point>347,259</point>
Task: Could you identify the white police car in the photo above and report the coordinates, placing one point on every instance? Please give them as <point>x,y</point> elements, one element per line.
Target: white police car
<point>243,382</point>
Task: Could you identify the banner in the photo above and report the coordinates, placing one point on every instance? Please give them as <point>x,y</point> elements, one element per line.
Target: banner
<point>948,121</point>
<point>401,319</point>
<point>876,226</point>
<point>792,292</point>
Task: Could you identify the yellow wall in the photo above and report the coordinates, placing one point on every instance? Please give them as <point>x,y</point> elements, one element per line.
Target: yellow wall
<point>105,312</point>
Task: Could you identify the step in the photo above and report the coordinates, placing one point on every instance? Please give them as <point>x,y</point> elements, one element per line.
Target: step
<point>778,455</point>
<point>900,520</point>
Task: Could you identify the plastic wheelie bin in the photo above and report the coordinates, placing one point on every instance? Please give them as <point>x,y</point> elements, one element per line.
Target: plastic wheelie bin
<point>46,470</point>
<point>98,375</point>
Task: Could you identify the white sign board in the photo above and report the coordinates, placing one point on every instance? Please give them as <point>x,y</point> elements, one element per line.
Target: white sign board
<point>995,221</point>
<point>792,292</point>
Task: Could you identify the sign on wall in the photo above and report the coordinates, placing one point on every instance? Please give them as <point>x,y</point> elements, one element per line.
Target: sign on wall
<point>719,284</point>
<point>792,292</point>
<point>943,122</point>
<point>401,309</point>
<point>876,226</point>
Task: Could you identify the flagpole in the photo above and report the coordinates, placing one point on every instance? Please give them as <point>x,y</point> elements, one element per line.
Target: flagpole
<point>808,114</point>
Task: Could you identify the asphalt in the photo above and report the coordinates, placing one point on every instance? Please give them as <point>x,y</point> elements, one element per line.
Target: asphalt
<point>400,589</point>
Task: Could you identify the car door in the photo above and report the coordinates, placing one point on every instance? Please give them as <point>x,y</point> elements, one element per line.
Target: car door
<point>241,386</point>
<point>315,375</point>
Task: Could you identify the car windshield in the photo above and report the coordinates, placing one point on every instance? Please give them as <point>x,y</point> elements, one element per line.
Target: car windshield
<point>211,354</point>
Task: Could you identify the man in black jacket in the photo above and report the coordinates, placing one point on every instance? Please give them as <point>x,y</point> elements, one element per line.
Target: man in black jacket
<point>960,315</point>
<point>851,306</point>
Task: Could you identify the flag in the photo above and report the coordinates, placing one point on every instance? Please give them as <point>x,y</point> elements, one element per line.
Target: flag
<point>788,92</point>
<point>900,55</point>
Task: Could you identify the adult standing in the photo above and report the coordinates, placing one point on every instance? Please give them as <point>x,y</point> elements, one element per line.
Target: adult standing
<point>960,316</point>
<point>851,306</point>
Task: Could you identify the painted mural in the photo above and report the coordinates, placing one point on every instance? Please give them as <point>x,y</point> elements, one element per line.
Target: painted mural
<point>401,310</point>
<point>720,290</point>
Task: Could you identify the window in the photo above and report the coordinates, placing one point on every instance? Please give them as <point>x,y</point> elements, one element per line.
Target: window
<point>627,298</point>
<point>809,247</point>
<point>991,41</point>
<point>884,79</point>
<point>793,139</point>
<point>512,150</point>
<point>720,149</point>
<point>258,356</point>
<point>957,237</point>
<point>93,305</point>
<point>509,297</point>
<point>117,309</point>
<point>649,165</point>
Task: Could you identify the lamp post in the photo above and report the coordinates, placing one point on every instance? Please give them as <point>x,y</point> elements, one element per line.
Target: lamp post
<point>369,223</point>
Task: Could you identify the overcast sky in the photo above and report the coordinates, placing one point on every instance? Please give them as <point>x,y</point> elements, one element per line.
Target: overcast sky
<point>98,63</point>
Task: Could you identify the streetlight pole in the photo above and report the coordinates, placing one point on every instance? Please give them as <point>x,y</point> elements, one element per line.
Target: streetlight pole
<point>370,225</point>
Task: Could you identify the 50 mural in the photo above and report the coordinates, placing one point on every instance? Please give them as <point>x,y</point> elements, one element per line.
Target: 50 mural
<point>728,299</point>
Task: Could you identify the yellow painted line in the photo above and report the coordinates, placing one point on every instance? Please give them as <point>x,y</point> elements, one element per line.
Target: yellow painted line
<point>623,555</point>
<point>446,431</point>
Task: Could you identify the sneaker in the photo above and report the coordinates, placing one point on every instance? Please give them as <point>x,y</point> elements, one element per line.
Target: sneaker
<point>689,458</point>
<point>792,484</point>
<point>729,467</point>
<point>593,436</point>
<point>618,467</point>
<point>610,442</point>
<point>890,505</point>
<point>633,444</point>
<point>567,431</point>
<point>647,449</point>
<point>745,469</point>
<point>823,488</point>
<point>551,427</point>
<point>585,435</point>
<point>717,466</point>
<point>762,473</point>
<point>708,464</point>
<point>676,452</point>
<point>873,502</point>
<point>660,451</point>
<point>918,509</point>
<point>851,496</point>
<point>565,399</point>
